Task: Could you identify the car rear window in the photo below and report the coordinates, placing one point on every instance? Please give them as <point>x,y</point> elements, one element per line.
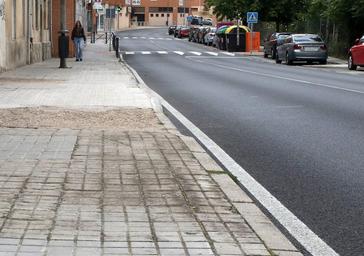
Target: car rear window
<point>307,38</point>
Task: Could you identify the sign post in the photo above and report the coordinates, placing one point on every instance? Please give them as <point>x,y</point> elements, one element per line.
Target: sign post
<point>252,17</point>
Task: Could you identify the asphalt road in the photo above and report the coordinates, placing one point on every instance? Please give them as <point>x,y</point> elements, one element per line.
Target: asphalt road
<point>298,130</point>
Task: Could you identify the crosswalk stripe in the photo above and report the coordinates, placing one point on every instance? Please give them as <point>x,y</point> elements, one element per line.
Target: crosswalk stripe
<point>129,53</point>
<point>196,53</point>
<point>143,37</point>
<point>151,38</point>
<point>179,53</point>
<point>134,37</point>
<point>125,37</point>
<point>146,53</point>
<point>212,53</point>
<point>162,52</point>
<point>228,53</point>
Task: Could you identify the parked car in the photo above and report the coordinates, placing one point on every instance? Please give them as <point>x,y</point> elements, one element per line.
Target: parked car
<point>193,33</point>
<point>183,32</point>
<point>301,47</point>
<point>270,44</point>
<point>196,20</point>
<point>201,35</point>
<point>356,54</point>
<point>176,30</point>
<point>171,29</point>
<point>209,36</point>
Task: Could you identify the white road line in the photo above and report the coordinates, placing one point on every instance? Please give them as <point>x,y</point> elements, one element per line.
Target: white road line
<point>179,53</point>
<point>146,53</point>
<point>196,53</point>
<point>162,52</point>
<point>284,78</point>
<point>228,53</point>
<point>212,53</point>
<point>143,37</point>
<point>161,38</point>
<point>151,38</point>
<point>134,37</point>
<point>308,239</point>
<point>125,37</point>
<point>129,53</point>
<point>169,39</point>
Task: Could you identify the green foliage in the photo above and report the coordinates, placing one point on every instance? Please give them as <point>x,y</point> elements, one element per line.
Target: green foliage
<point>339,21</point>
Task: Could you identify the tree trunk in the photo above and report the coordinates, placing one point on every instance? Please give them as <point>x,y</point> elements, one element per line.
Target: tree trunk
<point>277,26</point>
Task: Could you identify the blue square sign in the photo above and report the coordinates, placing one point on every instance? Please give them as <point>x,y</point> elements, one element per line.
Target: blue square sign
<point>252,17</point>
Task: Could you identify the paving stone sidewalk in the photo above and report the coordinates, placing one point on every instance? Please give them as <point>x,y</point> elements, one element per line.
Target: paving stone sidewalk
<point>85,192</point>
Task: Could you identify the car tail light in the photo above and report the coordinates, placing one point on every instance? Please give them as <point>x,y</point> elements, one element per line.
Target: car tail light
<point>323,47</point>
<point>297,47</point>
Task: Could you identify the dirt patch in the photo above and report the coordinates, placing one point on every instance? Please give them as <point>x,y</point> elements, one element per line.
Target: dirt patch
<point>123,118</point>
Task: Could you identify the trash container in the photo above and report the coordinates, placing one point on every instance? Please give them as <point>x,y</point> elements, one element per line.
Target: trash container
<point>232,38</point>
<point>231,42</point>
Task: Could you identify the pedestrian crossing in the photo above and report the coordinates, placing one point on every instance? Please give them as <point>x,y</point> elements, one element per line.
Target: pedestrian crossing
<point>182,53</point>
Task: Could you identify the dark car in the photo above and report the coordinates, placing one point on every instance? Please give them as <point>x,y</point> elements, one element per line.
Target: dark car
<point>301,47</point>
<point>270,44</point>
<point>356,54</point>
<point>193,33</point>
<point>171,29</point>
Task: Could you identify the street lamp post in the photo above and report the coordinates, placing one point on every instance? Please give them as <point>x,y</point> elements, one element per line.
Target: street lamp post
<point>63,39</point>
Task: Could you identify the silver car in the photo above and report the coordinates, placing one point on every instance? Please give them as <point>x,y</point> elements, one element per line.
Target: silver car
<point>301,47</point>
<point>209,36</point>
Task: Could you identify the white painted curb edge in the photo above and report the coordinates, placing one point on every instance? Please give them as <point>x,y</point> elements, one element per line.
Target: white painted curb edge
<point>307,238</point>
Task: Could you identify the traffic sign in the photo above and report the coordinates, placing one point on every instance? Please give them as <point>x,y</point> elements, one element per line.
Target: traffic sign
<point>252,17</point>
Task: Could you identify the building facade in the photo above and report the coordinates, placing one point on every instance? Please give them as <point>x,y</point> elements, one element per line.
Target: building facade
<point>24,32</point>
<point>136,13</point>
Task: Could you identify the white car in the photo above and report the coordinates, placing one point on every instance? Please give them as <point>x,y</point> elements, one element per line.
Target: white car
<point>209,36</point>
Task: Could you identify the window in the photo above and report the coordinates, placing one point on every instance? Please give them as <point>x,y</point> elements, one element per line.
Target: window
<point>151,15</point>
<point>162,15</point>
<point>45,20</point>
<point>157,15</point>
<point>13,15</point>
<point>36,15</point>
<point>168,15</point>
<point>24,17</point>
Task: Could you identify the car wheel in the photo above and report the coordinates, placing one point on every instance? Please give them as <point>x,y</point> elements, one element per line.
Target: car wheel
<point>288,61</point>
<point>323,62</point>
<point>351,65</point>
<point>265,55</point>
<point>278,61</point>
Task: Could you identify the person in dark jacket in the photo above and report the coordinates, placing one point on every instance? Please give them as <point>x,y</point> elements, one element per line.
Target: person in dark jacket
<point>78,34</point>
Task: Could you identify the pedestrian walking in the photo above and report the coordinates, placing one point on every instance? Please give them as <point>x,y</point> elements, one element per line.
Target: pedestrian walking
<point>78,34</point>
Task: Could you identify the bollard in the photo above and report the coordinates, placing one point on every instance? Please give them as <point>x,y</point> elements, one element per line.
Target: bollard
<point>105,37</point>
<point>63,50</point>
<point>117,47</point>
<point>93,37</point>
<point>113,41</point>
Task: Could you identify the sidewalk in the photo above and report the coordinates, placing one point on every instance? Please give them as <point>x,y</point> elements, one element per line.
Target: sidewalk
<point>88,167</point>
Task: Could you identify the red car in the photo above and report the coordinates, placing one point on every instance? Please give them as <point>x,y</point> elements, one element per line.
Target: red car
<point>356,54</point>
<point>183,32</point>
